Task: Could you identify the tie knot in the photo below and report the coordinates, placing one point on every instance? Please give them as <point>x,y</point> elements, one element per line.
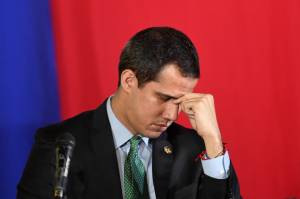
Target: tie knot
<point>134,142</point>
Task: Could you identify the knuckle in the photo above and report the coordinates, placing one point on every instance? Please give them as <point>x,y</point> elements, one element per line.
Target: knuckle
<point>201,103</point>
<point>210,96</point>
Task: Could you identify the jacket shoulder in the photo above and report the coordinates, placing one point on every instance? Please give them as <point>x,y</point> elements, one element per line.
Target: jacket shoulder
<point>72,125</point>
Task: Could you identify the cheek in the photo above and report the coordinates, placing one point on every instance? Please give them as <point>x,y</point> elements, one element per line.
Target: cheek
<point>150,109</point>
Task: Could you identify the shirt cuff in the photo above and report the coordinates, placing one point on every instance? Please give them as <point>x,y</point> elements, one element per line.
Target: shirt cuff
<point>217,167</point>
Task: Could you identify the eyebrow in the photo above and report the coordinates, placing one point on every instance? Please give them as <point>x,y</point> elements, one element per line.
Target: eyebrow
<point>167,95</point>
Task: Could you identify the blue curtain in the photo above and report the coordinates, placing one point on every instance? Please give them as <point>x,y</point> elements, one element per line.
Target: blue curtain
<point>28,84</point>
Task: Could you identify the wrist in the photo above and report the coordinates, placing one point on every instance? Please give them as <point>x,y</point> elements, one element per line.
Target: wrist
<point>205,156</point>
<point>214,146</point>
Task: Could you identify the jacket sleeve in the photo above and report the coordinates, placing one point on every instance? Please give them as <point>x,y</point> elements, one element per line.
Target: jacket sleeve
<point>211,188</point>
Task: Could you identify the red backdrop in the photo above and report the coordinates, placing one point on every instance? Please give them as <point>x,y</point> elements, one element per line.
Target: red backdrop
<point>249,53</point>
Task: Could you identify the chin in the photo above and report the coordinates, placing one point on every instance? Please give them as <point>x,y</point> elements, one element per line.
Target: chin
<point>154,133</point>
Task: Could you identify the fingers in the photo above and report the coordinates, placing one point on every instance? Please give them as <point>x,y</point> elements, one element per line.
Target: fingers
<point>189,102</point>
<point>196,97</point>
<point>188,96</point>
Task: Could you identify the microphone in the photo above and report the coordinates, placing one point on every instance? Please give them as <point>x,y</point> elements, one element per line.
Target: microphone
<point>64,146</point>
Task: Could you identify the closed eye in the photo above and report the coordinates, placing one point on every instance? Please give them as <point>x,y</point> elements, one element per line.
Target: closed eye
<point>165,97</point>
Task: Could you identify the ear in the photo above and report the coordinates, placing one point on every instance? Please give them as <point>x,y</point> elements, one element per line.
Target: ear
<point>128,80</point>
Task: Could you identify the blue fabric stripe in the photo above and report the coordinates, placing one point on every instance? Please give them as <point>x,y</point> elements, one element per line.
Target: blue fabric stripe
<point>28,84</point>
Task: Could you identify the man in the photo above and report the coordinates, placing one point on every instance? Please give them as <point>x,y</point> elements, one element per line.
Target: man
<point>130,146</point>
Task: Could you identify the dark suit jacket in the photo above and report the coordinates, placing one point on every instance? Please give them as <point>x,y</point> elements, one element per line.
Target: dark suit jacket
<point>94,169</point>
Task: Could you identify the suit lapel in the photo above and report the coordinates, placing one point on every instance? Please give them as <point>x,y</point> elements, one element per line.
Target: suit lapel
<point>103,146</point>
<point>162,158</point>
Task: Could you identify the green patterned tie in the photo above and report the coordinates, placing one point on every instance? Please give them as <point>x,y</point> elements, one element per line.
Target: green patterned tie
<point>135,184</point>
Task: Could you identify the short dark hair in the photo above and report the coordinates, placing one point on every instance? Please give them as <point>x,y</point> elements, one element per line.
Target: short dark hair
<point>149,50</point>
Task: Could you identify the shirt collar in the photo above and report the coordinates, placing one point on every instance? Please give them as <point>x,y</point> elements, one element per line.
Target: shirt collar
<point>120,133</point>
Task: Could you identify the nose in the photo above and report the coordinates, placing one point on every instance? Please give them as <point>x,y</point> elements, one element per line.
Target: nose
<point>171,111</point>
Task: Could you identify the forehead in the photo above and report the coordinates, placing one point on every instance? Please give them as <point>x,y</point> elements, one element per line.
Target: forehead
<point>170,81</point>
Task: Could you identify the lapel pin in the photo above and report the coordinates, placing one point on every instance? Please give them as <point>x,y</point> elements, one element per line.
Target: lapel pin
<point>168,150</point>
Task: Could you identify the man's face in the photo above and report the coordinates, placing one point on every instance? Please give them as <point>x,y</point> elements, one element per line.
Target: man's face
<point>151,108</point>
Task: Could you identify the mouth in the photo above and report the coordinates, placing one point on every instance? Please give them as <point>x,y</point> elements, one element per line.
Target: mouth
<point>162,125</point>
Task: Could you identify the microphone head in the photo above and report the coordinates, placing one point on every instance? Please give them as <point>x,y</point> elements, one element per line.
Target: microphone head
<point>65,144</point>
<point>65,139</point>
